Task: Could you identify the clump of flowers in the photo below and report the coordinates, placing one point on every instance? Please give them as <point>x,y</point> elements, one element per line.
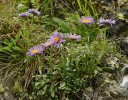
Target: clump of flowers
<point>34,11</point>
<point>74,37</point>
<point>86,20</point>
<point>35,50</point>
<point>56,38</point>
<point>103,21</point>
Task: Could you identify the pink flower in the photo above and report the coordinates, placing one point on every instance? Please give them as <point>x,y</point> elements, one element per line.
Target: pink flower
<point>35,50</point>
<point>34,11</point>
<point>86,20</point>
<point>47,43</point>
<point>25,14</point>
<point>56,39</point>
<point>74,37</point>
<point>102,22</point>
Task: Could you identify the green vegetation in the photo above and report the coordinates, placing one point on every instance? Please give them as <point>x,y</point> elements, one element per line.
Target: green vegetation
<point>63,72</point>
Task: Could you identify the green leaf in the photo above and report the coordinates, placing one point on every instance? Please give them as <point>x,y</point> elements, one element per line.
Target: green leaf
<point>52,90</point>
<point>6,49</point>
<point>17,48</point>
<point>41,92</point>
<point>6,41</point>
<point>45,87</point>
<point>53,93</point>
<point>64,26</point>
<point>62,84</point>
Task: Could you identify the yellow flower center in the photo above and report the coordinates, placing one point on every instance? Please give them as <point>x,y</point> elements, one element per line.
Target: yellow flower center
<point>34,51</point>
<point>73,37</point>
<point>86,21</point>
<point>56,39</point>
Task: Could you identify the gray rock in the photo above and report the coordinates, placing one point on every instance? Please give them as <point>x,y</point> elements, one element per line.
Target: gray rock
<point>124,46</point>
<point>124,86</point>
<point>1,97</point>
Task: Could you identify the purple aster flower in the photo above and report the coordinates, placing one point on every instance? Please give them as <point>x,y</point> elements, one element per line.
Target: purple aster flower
<point>74,37</point>
<point>56,39</point>
<point>47,43</point>
<point>34,11</point>
<point>35,50</point>
<point>86,20</point>
<point>102,22</point>
<point>25,14</point>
